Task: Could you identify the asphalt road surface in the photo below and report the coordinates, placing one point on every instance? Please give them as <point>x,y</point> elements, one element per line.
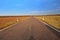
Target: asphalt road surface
<point>30,29</point>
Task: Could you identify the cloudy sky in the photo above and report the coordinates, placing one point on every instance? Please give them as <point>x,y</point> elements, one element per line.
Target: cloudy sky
<point>25,7</point>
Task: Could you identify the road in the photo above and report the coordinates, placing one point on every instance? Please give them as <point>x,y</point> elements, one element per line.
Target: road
<point>30,29</point>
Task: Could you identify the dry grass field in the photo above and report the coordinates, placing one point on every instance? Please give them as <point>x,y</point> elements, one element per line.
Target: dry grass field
<point>22,18</point>
<point>5,21</point>
<point>53,20</point>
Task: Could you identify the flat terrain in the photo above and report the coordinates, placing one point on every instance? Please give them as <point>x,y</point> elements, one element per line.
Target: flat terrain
<point>9,20</point>
<point>53,20</point>
<point>6,21</point>
<point>30,29</point>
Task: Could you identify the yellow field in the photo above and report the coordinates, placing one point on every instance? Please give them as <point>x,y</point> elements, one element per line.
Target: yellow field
<point>52,20</point>
<point>6,21</point>
<point>22,18</point>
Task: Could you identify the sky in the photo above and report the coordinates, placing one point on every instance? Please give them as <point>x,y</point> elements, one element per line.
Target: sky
<point>29,7</point>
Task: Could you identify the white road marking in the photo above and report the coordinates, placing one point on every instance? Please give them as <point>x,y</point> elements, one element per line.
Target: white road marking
<point>50,26</point>
<point>8,27</point>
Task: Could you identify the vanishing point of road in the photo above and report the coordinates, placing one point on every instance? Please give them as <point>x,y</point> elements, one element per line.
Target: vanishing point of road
<point>30,29</point>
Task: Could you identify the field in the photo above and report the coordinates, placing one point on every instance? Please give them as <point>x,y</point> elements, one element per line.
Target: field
<point>5,21</point>
<point>51,20</point>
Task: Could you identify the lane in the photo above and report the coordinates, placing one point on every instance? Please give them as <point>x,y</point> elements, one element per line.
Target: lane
<point>41,32</point>
<point>20,31</point>
<point>30,29</point>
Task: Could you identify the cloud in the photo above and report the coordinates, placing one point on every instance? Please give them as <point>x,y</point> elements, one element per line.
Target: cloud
<point>57,9</point>
<point>29,13</point>
<point>40,0</point>
<point>45,12</point>
<point>55,4</point>
<point>19,4</point>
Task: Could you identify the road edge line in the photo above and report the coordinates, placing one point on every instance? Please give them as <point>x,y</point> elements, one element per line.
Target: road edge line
<point>50,26</point>
<point>7,27</point>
